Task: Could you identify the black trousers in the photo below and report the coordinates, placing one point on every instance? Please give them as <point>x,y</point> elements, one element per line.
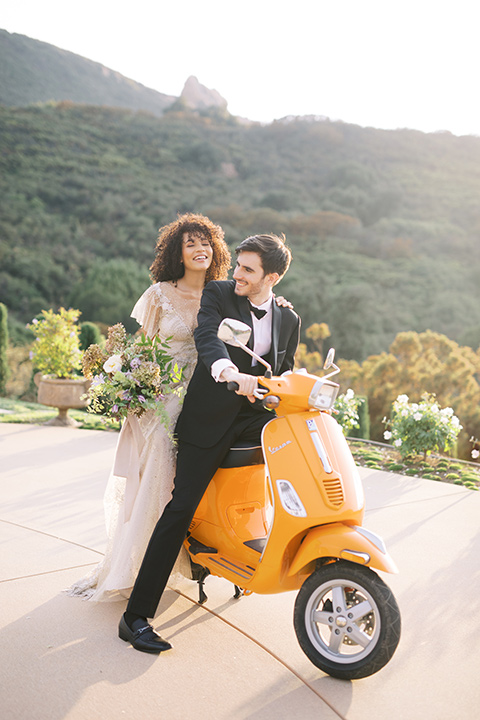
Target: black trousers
<point>195,468</point>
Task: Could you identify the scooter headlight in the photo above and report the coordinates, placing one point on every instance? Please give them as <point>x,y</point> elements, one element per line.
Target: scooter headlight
<point>323,395</point>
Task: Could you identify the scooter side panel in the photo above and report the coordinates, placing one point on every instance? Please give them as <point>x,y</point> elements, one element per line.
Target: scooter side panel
<point>233,506</point>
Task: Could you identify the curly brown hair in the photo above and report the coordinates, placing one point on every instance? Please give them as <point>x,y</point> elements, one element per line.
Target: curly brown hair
<point>168,250</point>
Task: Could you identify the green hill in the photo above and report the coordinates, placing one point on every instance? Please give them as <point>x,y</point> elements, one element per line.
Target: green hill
<point>34,71</point>
<point>384,225</point>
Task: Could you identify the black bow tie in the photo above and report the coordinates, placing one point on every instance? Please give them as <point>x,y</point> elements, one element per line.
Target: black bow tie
<point>257,311</point>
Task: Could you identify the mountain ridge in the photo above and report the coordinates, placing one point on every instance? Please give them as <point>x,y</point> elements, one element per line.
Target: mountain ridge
<point>33,71</point>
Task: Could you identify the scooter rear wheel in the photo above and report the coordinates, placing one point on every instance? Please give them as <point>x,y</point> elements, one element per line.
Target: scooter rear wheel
<point>347,620</point>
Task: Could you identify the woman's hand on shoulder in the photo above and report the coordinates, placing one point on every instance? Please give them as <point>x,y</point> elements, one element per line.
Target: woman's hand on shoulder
<point>283,302</point>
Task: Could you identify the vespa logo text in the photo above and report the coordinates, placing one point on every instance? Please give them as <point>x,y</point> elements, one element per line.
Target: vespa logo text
<point>280,447</point>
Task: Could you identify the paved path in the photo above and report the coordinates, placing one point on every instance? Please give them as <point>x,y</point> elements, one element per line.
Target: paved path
<point>60,657</point>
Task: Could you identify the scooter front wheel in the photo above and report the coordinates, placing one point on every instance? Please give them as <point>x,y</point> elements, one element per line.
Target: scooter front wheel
<point>347,620</point>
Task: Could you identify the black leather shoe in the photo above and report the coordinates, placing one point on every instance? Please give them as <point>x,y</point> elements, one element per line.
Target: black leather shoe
<point>142,636</point>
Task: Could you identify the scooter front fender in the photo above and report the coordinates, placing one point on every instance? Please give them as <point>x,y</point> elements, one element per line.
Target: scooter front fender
<point>346,542</point>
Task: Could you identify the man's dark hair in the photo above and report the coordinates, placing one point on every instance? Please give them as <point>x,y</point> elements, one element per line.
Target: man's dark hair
<point>274,253</point>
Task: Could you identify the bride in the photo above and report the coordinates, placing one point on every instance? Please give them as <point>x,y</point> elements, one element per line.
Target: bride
<point>189,253</point>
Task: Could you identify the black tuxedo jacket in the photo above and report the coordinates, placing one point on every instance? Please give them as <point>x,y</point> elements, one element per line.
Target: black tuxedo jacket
<point>210,409</point>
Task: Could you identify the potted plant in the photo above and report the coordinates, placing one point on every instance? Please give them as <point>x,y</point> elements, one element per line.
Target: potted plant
<point>57,356</point>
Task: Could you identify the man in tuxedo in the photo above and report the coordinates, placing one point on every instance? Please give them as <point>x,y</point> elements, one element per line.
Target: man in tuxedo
<point>212,417</point>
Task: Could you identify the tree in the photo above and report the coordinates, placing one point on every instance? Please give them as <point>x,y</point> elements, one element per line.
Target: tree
<point>313,361</point>
<point>89,335</point>
<point>110,290</point>
<point>4,372</point>
<point>318,332</point>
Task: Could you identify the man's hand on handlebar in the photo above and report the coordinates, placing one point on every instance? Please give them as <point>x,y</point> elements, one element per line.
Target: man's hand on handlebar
<point>247,384</point>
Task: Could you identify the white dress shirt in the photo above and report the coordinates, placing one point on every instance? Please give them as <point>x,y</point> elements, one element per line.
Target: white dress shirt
<point>262,340</point>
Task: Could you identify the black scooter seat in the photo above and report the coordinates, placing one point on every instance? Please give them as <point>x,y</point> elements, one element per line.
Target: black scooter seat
<point>242,455</point>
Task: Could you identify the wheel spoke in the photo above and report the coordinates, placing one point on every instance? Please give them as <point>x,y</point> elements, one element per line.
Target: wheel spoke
<point>322,617</point>
<point>360,610</point>
<point>360,637</point>
<point>335,641</point>
<point>338,597</point>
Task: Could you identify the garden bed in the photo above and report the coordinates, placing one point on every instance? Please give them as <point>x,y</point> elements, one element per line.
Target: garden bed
<point>435,467</point>
<point>372,455</point>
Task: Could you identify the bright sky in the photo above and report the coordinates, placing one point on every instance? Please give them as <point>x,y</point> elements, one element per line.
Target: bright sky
<point>380,63</point>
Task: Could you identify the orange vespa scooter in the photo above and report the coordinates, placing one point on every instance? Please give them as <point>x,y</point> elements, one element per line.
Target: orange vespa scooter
<point>288,515</point>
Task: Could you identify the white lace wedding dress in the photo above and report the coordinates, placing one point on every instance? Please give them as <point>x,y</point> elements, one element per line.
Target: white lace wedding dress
<point>162,310</point>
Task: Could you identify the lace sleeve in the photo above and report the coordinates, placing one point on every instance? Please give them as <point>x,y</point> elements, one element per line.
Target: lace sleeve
<point>148,310</point>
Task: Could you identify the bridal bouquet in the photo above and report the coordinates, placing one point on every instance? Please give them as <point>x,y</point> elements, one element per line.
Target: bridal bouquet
<point>129,375</point>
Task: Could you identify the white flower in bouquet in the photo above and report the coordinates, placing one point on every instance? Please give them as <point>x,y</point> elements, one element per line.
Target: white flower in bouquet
<point>113,364</point>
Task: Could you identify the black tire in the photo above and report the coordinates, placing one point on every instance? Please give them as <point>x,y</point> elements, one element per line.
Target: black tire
<point>347,620</point>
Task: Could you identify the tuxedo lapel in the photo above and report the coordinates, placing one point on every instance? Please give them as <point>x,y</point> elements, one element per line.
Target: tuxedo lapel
<point>276,324</point>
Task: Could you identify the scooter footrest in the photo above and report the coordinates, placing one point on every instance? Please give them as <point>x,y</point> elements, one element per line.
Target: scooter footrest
<point>197,547</point>
<point>258,544</point>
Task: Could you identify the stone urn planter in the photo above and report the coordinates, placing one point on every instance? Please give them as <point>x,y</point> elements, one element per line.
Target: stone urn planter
<point>57,356</point>
<point>62,394</point>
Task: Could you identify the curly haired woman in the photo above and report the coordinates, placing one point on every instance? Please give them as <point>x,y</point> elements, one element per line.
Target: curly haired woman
<point>189,253</point>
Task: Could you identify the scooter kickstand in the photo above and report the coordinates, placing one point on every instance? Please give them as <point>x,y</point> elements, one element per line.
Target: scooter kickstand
<point>238,592</point>
<point>201,582</point>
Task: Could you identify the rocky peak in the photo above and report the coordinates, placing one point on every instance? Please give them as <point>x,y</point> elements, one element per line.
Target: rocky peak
<point>199,97</point>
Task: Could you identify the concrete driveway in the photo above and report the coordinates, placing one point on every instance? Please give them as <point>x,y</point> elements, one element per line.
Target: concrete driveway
<point>60,657</point>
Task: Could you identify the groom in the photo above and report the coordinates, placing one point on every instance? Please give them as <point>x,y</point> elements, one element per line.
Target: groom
<point>213,418</point>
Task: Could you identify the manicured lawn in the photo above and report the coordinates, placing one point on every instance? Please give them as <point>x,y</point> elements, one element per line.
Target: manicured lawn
<point>16,411</point>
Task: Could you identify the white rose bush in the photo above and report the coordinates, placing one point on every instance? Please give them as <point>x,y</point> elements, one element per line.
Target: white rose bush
<point>421,428</point>
<point>476,448</point>
<point>129,375</point>
<point>346,411</point>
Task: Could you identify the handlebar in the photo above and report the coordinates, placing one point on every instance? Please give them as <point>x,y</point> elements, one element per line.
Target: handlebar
<point>259,392</point>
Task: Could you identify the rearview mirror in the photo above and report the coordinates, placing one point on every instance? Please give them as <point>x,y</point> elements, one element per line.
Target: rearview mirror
<point>329,359</point>
<point>237,333</point>
<point>234,332</point>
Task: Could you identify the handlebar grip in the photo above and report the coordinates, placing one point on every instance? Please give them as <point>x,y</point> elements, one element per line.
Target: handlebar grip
<point>232,386</point>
